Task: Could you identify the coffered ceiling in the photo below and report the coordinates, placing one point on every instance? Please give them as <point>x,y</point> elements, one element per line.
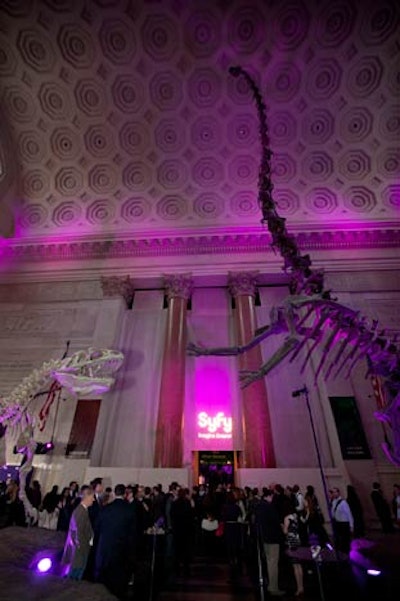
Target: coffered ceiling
<point>124,135</point>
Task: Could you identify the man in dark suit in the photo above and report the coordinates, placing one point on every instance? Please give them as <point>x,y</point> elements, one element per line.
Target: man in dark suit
<point>94,512</point>
<point>116,530</point>
<point>79,539</point>
<point>268,524</point>
<point>97,485</point>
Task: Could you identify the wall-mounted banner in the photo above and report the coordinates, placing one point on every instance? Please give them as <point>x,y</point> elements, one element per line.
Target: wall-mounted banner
<point>353,442</point>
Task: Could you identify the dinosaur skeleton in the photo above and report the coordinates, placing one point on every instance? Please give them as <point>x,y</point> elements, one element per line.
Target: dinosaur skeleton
<point>85,372</point>
<point>309,316</point>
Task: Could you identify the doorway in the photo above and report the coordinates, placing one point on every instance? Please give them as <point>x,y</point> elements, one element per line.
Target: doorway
<point>216,467</point>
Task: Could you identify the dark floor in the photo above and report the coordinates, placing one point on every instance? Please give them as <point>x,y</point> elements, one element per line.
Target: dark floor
<point>210,578</point>
<point>333,577</point>
<point>20,548</point>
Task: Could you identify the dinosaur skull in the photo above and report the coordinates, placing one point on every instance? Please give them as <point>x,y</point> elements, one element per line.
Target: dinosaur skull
<point>91,371</point>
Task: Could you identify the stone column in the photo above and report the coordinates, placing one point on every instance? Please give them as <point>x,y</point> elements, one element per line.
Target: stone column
<point>169,438</point>
<point>118,294</point>
<point>258,450</point>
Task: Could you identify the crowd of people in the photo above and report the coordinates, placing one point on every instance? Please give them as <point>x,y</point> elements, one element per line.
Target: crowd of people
<point>107,530</point>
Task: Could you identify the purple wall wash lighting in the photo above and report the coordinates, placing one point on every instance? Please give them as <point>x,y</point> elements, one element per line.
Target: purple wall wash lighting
<point>310,317</point>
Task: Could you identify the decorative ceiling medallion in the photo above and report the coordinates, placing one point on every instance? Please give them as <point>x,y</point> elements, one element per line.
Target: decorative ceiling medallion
<point>391,197</point>
<point>69,181</point>
<point>90,97</point>
<point>379,22</point>
<point>321,200</point>
<point>77,45</point>
<point>159,38</point>
<point>335,23</point>
<point>208,206</point>
<point>244,204</point>
<point>323,79</point>
<point>36,50</point>
<point>208,172</point>
<point>55,102</point>
<point>166,90</point>
<point>65,143</point>
<point>32,146</point>
<point>202,33</point>
<point>100,212</point>
<point>355,124</point>
<point>171,208</point>
<point>355,165</point>
<point>35,183</point>
<point>169,135</point>
<point>291,24</point>
<point>317,166</point>
<point>317,126</point>
<point>135,210</point>
<point>242,131</point>
<point>283,167</point>
<point>246,30</point>
<point>66,214</point>
<point>360,199</point>
<point>34,215</point>
<point>287,202</point>
<point>206,133</point>
<point>117,41</point>
<point>172,174</point>
<point>134,137</point>
<point>8,60</point>
<point>128,93</point>
<point>283,82</point>
<point>19,104</point>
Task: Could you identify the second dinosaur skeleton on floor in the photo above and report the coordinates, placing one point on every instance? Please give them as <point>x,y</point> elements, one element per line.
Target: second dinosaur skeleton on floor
<point>309,318</point>
<point>85,372</point>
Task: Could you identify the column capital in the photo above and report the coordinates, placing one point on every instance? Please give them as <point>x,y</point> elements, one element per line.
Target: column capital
<point>242,283</point>
<point>178,285</point>
<point>114,285</point>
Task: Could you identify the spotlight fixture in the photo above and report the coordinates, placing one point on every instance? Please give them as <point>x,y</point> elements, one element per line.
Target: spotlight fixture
<point>44,447</point>
<point>41,448</point>
<point>44,565</point>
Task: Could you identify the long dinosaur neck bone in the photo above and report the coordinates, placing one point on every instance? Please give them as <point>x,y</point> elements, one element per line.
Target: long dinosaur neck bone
<point>303,280</point>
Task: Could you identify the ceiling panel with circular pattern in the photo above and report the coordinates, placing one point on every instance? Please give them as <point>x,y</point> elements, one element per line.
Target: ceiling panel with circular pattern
<point>121,118</point>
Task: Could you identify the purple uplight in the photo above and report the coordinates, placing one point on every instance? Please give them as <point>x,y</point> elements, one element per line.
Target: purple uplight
<point>374,572</point>
<point>44,565</point>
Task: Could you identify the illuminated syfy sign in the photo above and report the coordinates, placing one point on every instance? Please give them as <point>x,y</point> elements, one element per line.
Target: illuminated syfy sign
<point>211,427</point>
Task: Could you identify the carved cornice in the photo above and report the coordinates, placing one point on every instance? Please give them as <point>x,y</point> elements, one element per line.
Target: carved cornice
<point>239,243</point>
